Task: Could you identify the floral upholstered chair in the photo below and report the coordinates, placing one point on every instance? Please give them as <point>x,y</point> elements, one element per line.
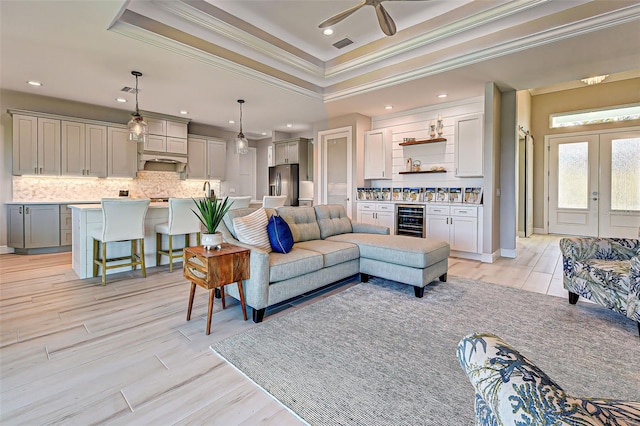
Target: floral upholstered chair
<point>511,390</point>
<point>605,271</point>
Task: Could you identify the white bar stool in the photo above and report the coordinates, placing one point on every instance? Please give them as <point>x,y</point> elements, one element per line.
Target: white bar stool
<point>240,202</point>
<point>273,201</point>
<point>182,221</point>
<point>122,220</point>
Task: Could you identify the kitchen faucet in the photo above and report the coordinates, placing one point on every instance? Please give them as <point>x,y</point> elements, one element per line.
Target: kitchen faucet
<point>207,189</point>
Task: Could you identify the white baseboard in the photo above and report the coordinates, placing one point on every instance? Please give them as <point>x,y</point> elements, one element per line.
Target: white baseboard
<point>540,231</point>
<point>6,250</point>
<point>490,257</point>
<point>510,253</point>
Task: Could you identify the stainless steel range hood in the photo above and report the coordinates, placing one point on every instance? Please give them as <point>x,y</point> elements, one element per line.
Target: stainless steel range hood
<point>162,162</point>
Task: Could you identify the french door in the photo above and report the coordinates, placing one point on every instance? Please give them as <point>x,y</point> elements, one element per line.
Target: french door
<point>594,184</point>
<point>335,166</point>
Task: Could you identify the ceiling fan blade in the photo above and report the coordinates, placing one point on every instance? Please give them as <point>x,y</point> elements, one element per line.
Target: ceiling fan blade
<point>386,23</point>
<point>340,16</point>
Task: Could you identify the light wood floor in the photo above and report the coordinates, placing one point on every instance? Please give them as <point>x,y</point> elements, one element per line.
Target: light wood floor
<point>75,352</point>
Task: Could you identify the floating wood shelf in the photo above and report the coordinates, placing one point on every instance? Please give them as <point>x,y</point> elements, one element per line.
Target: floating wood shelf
<point>423,141</point>
<point>424,171</point>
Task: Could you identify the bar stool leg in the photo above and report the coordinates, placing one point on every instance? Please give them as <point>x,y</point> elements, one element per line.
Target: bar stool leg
<point>144,269</point>
<point>104,263</point>
<point>95,257</point>
<point>242,303</point>
<point>170,253</point>
<point>158,248</point>
<point>133,254</point>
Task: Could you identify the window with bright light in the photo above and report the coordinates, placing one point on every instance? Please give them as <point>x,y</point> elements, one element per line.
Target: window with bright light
<point>605,115</point>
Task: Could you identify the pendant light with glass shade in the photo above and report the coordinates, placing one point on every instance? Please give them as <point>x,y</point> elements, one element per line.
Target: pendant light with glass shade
<point>137,127</point>
<point>242,144</point>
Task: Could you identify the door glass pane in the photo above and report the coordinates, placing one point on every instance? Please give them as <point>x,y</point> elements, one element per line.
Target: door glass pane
<point>573,175</point>
<point>625,174</point>
<point>336,162</point>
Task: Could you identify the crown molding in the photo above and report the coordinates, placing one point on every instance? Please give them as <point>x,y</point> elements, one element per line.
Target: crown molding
<point>140,34</point>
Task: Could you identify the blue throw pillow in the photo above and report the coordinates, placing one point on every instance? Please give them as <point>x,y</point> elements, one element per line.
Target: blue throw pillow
<point>280,235</point>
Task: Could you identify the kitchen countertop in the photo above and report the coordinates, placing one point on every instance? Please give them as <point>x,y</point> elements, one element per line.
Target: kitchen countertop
<point>154,205</point>
<point>52,202</point>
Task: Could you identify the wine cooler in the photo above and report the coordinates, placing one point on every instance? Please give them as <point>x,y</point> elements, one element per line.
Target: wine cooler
<point>410,220</point>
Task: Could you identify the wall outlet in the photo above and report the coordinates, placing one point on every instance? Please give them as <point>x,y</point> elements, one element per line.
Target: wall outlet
<point>232,190</point>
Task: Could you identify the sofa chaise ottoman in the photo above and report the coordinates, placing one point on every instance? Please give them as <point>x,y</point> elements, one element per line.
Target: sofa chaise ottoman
<point>327,248</point>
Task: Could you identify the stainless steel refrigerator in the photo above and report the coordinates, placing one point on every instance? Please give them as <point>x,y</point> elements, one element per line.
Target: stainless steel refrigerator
<point>283,180</point>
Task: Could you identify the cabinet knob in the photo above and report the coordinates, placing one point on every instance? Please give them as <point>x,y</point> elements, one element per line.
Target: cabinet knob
<point>19,210</point>
<point>26,211</point>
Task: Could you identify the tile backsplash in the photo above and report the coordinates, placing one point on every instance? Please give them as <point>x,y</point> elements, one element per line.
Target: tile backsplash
<point>147,184</point>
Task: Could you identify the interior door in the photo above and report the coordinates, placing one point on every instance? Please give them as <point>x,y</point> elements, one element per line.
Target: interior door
<point>619,211</point>
<point>528,222</point>
<point>573,185</point>
<point>336,167</point>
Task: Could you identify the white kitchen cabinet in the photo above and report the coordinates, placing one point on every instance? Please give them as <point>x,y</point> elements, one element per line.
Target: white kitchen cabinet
<point>457,225</point>
<point>291,151</point>
<point>382,214</point>
<point>469,146</point>
<point>166,136</point>
<point>377,154</point>
<point>207,158</point>
<point>36,145</point>
<point>33,226</point>
<point>122,154</point>
<point>84,149</point>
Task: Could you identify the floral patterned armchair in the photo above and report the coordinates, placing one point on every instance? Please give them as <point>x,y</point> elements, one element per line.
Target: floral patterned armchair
<point>511,390</point>
<point>604,270</point>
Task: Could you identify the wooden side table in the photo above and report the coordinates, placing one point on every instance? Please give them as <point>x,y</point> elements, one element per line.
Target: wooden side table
<point>211,269</point>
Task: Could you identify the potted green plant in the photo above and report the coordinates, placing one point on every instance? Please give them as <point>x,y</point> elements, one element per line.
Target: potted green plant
<point>210,212</point>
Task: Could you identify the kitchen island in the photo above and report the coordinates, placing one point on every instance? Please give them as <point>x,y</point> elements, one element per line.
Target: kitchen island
<point>87,218</point>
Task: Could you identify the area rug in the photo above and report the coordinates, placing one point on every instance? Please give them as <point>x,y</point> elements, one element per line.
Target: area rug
<point>376,355</point>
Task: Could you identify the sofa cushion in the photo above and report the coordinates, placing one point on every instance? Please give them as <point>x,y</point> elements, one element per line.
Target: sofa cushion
<point>232,214</point>
<point>333,252</point>
<point>293,264</point>
<point>332,220</point>
<point>302,221</point>
<point>252,229</point>
<point>399,249</point>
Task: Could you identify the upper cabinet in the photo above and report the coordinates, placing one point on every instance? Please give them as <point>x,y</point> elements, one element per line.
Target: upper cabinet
<point>469,146</point>
<point>166,136</point>
<point>122,154</point>
<point>84,149</point>
<point>207,158</point>
<point>377,154</point>
<point>36,145</point>
<point>294,151</point>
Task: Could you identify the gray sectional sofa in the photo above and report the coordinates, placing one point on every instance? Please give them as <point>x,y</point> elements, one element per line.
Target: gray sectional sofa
<point>328,248</point>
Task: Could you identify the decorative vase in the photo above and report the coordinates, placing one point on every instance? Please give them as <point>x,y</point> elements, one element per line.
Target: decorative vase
<point>432,131</point>
<point>440,128</point>
<point>211,240</point>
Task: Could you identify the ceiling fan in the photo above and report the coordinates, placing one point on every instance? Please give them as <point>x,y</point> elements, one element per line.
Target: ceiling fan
<point>386,23</point>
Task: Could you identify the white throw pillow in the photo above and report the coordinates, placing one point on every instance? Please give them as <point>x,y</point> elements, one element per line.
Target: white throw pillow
<point>252,229</point>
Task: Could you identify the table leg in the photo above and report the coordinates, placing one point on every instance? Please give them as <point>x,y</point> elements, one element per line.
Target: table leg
<point>244,306</point>
<point>191,294</point>
<point>222,296</point>
<point>209,312</point>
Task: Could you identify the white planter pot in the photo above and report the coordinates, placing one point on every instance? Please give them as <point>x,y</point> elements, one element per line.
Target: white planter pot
<point>211,240</point>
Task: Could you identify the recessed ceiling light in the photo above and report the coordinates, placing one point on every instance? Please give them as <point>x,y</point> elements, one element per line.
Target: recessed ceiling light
<point>121,100</point>
<point>289,125</point>
<point>442,95</point>
<point>232,122</point>
<point>264,133</point>
<point>388,107</point>
<point>327,31</point>
<point>184,112</point>
<point>34,83</point>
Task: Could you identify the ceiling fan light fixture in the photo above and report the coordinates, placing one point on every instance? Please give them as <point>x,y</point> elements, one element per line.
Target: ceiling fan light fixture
<point>137,127</point>
<point>242,144</point>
